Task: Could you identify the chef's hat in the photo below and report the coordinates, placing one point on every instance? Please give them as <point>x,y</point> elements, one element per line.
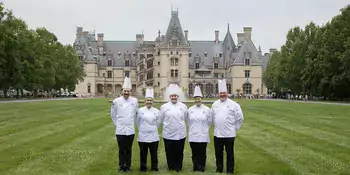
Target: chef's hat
<point>149,93</point>
<point>127,84</point>
<point>197,92</point>
<point>173,89</point>
<point>222,85</point>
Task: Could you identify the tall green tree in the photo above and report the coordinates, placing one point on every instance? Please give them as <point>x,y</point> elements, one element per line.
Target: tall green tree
<point>314,60</point>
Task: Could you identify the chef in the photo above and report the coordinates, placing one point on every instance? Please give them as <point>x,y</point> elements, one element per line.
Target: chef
<point>173,115</point>
<point>199,121</point>
<point>148,121</point>
<point>123,113</point>
<point>227,118</point>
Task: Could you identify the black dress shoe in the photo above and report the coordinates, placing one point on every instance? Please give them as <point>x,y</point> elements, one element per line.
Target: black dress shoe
<point>154,169</point>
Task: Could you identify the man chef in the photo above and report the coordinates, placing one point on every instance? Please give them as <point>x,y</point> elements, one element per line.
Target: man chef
<point>173,115</point>
<point>148,122</point>
<point>123,113</point>
<point>199,121</point>
<point>227,118</point>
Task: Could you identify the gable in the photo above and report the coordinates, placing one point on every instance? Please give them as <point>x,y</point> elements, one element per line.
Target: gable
<point>247,50</point>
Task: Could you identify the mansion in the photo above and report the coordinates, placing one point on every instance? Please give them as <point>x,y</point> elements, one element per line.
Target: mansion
<point>171,58</point>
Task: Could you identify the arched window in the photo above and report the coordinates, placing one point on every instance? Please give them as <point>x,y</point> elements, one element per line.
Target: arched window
<point>201,87</point>
<point>228,86</point>
<point>190,88</point>
<point>216,88</point>
<point>247,88</point>
<point>209,89</point>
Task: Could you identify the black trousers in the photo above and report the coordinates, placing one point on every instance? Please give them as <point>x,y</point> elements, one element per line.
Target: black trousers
<point>174,150</point>
<point>125,151</point>
<point>199,155</point>
<point>153,148</point>
<point>228,144</point>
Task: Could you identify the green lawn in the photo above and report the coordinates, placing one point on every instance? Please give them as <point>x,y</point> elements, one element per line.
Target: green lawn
<point>77,137</point>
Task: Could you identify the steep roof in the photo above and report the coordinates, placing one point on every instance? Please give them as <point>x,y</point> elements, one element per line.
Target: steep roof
<point>228,47</point>
<point>226,52</point>
<point>245,49</point>
<point>174,31</point>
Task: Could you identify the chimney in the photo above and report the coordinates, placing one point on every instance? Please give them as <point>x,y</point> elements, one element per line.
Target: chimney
<point>139,38</point>
<point>240,38</point>
<point>79,32</point>
<point>85,33</point>
<point>272,50</point>
<point>100,39</point>
<point>247,32</point>
<point>216,36</point>
<point>186,34</point>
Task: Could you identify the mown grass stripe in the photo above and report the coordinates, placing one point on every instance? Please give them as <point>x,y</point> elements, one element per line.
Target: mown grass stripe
<point>37,133</point>
<point>299,126</point>
<point>70,158</point>
<point>14,156</point>
<point>322,163</point>
<point>303,120</point>
<point>332,152</point>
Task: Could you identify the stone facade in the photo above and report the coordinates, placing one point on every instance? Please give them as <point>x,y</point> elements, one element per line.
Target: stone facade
<point>171,58</point>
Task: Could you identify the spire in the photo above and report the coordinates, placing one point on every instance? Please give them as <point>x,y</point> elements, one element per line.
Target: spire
<point>174,35</point>
<point>228,45</point>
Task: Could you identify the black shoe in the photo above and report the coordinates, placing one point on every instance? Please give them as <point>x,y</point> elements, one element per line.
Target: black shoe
<point>219,171</point>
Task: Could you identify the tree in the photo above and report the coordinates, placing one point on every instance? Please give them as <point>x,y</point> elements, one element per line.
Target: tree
<point>34,60</point>
<point>314,60</point>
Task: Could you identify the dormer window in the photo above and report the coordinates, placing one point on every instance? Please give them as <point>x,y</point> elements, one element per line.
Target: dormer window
<point>216,65</point>
<point>205,54</point>
<point>104,53</point>
<point>220,54</point>
<point>119,54</point>
<point>133,54</point>
<point>109,62</point>
<point>171,52</point>
<point>177,52</point>
<point>246,61</point>
<point>127,63</point>
<point>197,65</point>
<point>190,54</point>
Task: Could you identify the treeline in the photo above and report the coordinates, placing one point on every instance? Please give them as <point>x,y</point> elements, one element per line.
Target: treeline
<point>34,60</point>
<point>314,61</point>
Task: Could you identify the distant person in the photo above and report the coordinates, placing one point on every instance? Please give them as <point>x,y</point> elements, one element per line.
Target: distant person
<point>199,121</point>
<point>123,113</point>
<point>148,122</point>
<point>227,118</point>
<point>173,115</point>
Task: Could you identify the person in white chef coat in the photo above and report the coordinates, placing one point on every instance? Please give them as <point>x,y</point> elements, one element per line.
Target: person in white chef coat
<point>199,122</point>
<point>123,113</point>
<point>227,118</point>
<point>173,115</point>
<point>148,121</point>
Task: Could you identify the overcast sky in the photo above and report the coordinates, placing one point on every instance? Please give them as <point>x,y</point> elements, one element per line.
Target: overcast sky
<point>123,19</point>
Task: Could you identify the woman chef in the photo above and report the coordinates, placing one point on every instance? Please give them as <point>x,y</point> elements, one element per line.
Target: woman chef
<point>147,120</point>
<point>199,121</point>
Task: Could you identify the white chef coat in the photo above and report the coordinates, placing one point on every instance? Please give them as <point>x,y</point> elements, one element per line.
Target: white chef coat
<point>199,121</point>
<point>148,121</point>
<point>173,118</point>
<point>123,113</point>
<point>227,118</point>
